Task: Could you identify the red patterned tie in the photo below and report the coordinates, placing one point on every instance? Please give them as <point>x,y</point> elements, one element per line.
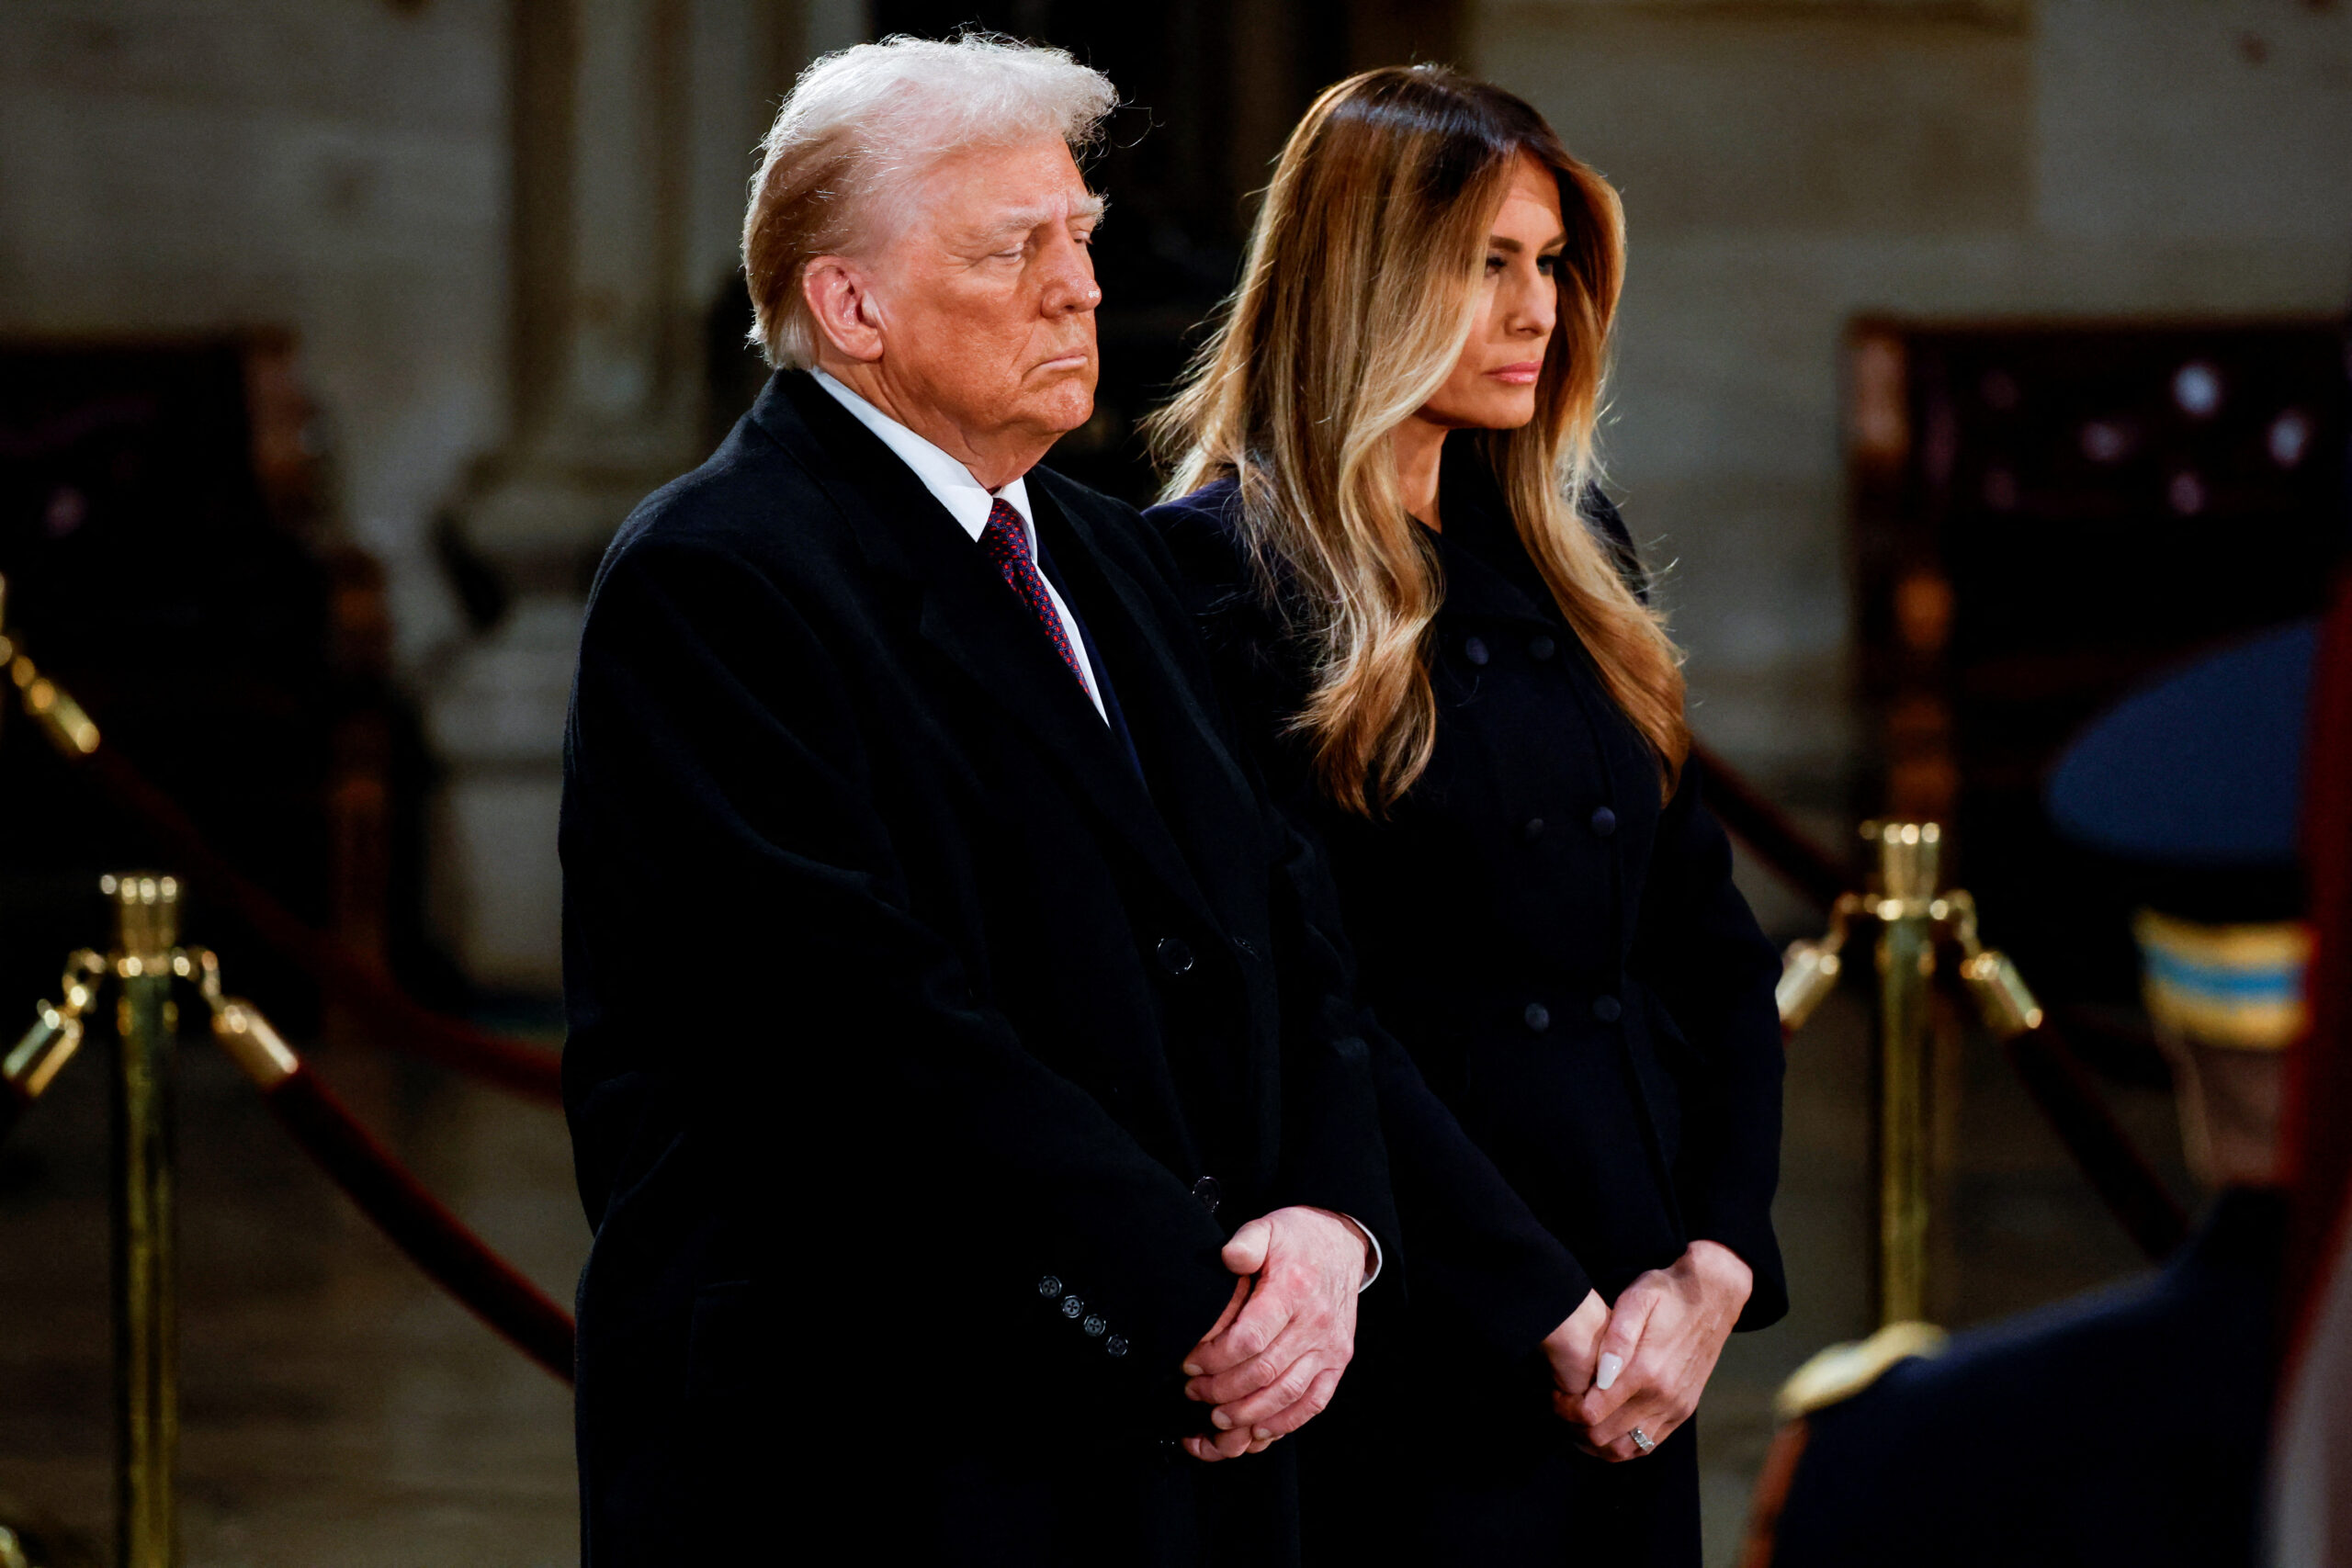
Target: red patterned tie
<point>1006,542</point>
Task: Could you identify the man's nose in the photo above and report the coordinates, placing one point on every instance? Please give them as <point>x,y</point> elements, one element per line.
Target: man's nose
<point>1069,286</point>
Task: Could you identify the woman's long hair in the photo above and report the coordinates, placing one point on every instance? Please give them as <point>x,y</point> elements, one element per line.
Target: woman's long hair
<point>1359,291</point>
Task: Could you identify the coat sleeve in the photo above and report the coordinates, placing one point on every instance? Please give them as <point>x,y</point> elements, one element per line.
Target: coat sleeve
<point>720,809</point>
<point>1468,1238</point>
<point>1698,949</point>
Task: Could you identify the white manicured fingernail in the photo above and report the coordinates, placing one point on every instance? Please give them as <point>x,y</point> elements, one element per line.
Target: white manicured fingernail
<point>1611,1365</point>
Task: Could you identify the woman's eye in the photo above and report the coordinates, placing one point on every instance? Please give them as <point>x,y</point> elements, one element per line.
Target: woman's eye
<point>1548,265</point>
<point>1494,264</point>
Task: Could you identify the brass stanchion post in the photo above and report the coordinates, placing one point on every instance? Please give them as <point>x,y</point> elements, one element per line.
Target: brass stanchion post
<point>146,909</point>
<point>1907,868</point>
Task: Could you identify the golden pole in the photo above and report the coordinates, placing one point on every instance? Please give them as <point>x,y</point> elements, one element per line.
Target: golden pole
<point>146,912</point>
<point>1907,869</point>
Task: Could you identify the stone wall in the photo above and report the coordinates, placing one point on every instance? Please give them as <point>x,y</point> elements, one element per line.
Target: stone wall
<point>336,168</point>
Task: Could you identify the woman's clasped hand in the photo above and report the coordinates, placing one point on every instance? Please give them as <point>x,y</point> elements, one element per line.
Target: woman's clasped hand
<point>1642,1365</point>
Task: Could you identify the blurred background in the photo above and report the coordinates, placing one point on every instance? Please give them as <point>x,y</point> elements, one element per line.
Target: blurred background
<point>1978,356</point>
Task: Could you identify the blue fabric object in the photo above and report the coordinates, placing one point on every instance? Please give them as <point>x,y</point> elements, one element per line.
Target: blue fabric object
<point>2203,769</point>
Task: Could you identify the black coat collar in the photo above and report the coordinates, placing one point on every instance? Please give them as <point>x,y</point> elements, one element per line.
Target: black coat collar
<point>967,613</point>
<point>1487,573</point>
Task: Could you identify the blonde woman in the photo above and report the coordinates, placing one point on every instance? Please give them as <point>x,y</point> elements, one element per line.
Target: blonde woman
<point>1433,626</point>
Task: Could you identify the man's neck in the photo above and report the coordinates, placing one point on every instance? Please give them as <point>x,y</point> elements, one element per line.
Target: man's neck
<point>995,458</point>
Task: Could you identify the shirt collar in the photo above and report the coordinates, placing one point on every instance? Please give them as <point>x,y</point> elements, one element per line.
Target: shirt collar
<point>949,481</point>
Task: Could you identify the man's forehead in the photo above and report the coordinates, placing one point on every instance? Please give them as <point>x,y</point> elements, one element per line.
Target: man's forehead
<point>988,190</point>
<point>1017,213</point>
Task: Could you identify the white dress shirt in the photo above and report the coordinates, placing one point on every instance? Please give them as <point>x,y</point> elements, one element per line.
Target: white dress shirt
<point>970,502</point>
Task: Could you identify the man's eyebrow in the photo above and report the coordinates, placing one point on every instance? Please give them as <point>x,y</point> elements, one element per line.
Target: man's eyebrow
<point>1022,220</point>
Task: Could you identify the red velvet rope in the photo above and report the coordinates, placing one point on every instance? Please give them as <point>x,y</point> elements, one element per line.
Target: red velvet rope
<point>415,1222</point>
<point>2070,1101</point>
<point>1778,842</point>
<point>389,1014</point>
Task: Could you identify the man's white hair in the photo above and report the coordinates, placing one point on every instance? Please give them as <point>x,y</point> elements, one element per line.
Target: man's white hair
<point>863,124</point>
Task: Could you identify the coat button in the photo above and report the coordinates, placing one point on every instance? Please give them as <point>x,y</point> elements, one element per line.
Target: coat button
<point>1538,1017</point>
<point>1093,1326</point>
<point>1475,650</point>
<point>1604,822</point>
<point>1205,1190</point>
<point>1114,1346</point>
<point>1532,830</point>
<point>1050,1286</point>
<point>1072,1306</point>
<point>1606,1008</point>
<point>1175,955</point>
<point>1542,647</point>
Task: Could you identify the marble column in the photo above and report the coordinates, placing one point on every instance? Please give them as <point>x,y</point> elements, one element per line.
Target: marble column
<point>632,129</point>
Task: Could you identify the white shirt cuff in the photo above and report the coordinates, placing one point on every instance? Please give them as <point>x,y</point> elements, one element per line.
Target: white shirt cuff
<point>1372,1241</point>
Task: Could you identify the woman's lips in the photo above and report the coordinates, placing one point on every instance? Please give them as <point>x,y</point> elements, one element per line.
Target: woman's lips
<point>1522,373</point>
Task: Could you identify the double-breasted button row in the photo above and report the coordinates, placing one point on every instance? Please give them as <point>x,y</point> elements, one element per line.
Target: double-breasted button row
<point>1538,1018</point>
<point>1539,647</point>
<point>1602,822</point>
<point>1093,1324</point>
<point>1175,954</point>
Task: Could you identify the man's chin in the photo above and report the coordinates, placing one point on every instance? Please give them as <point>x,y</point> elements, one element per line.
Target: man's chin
<point>1061,415</point>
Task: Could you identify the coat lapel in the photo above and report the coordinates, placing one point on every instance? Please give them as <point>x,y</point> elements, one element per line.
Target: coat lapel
<point>968,614</point>
<point>1201,788</point>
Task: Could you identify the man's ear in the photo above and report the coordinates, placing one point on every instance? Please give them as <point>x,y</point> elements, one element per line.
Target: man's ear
<point>841,299</point>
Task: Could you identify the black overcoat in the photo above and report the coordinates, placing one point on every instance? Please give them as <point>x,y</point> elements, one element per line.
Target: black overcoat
<point>911,1030</point>
<point>1563,953</point>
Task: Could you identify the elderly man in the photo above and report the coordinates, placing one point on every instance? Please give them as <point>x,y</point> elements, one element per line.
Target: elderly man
<point>1039,1170</point>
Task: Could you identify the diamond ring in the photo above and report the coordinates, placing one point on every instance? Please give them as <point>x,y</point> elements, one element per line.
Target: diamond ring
<point>1642,1441</point>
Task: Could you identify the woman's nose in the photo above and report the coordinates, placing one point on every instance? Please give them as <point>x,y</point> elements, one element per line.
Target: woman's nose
<point>1534,308</point>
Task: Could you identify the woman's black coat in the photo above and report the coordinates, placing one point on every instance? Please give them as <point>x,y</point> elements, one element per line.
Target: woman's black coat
<point>1564,954</point>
